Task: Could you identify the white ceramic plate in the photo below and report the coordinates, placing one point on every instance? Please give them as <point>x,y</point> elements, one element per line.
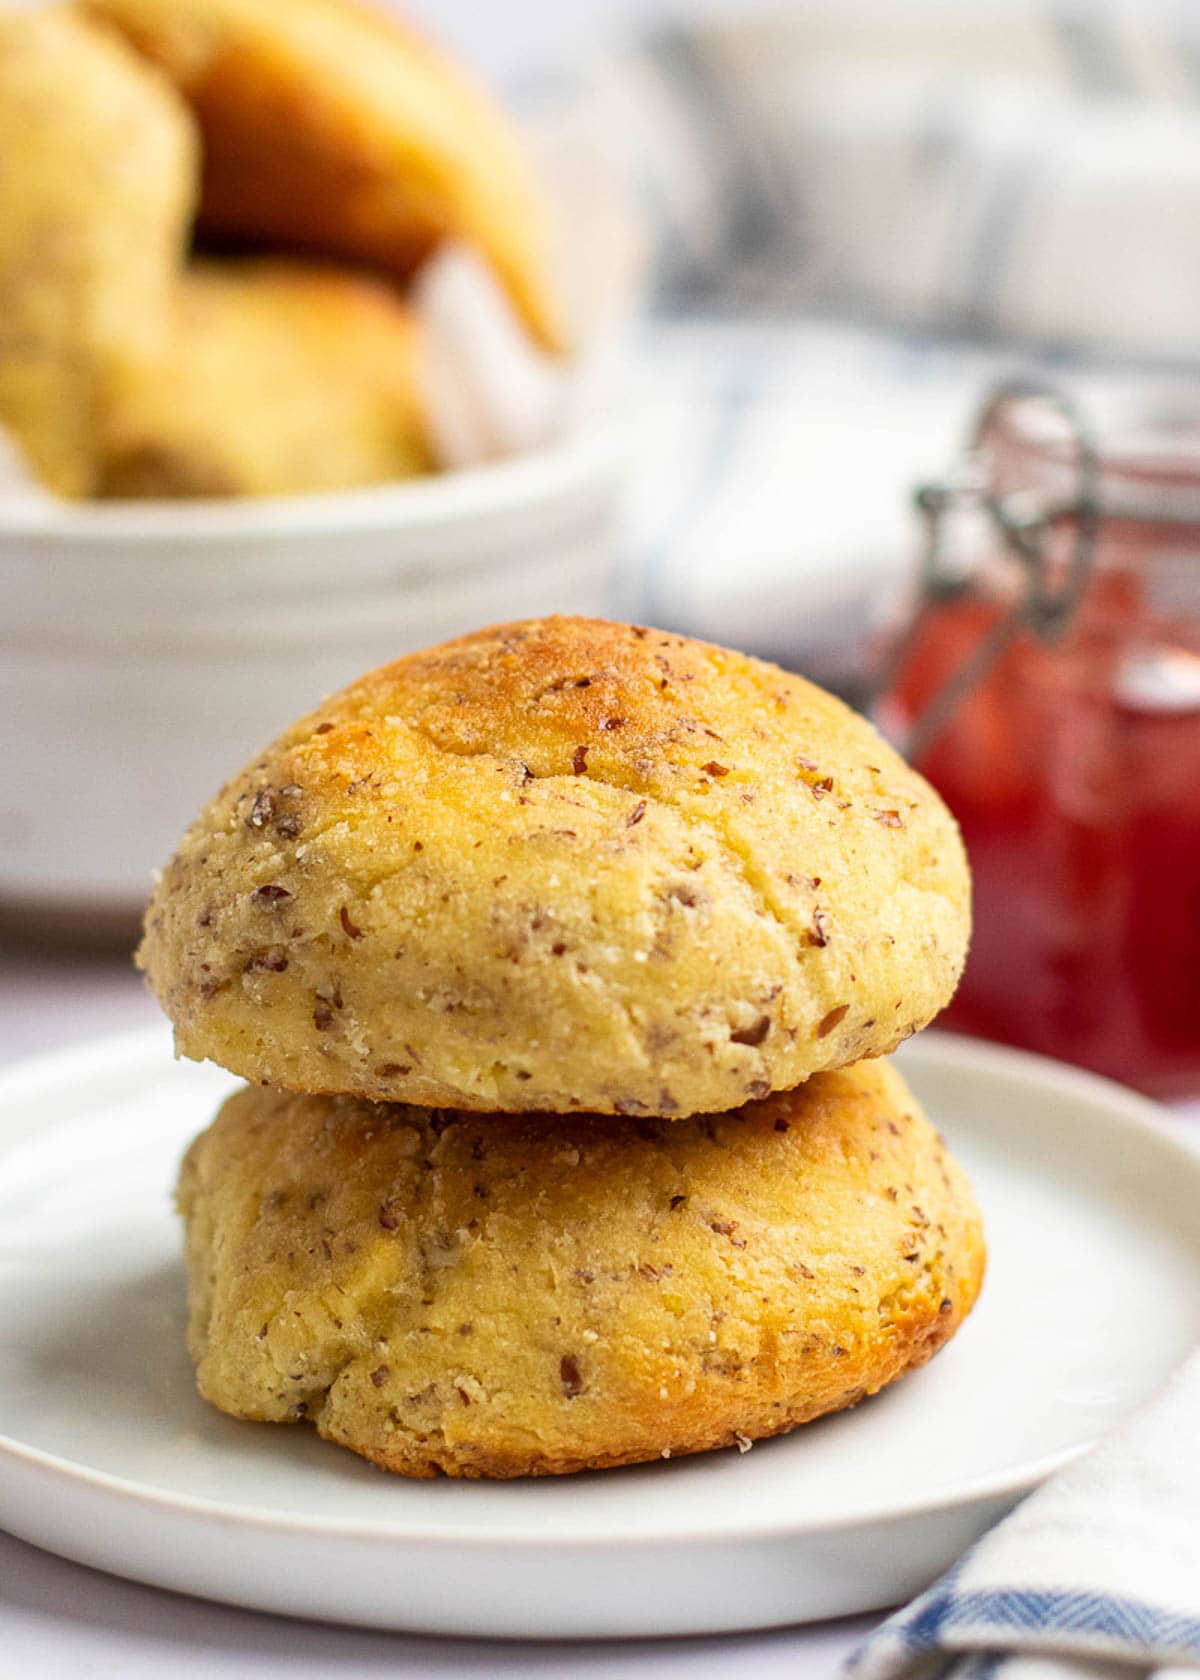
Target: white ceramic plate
<point>108,1457</point>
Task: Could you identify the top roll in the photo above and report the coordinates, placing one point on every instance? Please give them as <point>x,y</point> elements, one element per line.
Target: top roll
<point>563,864</point>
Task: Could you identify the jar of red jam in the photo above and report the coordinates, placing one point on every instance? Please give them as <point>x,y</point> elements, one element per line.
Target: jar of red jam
<point>1049,686</point>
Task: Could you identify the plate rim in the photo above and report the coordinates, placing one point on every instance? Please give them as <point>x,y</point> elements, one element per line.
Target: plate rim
<point>1138,1113</point>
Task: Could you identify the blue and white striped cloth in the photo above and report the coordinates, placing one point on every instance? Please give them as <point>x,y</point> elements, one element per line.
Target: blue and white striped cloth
<point>1011,167</point>
<point>856,214</point>
<point>1095,1577</point>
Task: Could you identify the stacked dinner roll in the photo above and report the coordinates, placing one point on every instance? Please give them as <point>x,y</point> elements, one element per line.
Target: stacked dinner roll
<point>560,961</point>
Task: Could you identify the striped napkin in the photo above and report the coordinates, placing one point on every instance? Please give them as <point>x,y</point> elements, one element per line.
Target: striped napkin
<point>856,214</point>
<point>1015,167</point>
<point>1095,1577</point>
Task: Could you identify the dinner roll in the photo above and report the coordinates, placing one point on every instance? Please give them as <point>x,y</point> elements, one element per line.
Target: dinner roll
<point>563,864</point>
<point>280,377</point>
<point>528,1295</point>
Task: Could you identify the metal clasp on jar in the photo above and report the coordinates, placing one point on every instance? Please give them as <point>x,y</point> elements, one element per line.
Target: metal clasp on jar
<point>1048,595</point>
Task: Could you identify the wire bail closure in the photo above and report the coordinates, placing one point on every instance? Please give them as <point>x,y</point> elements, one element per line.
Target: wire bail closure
<point>1023,523</point>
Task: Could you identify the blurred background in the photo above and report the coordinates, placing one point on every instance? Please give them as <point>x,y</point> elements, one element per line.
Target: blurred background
<point>882,360</point>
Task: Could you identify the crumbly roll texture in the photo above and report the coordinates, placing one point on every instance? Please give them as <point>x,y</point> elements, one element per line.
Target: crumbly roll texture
<point>529,1295</point>
<point>563,865</point>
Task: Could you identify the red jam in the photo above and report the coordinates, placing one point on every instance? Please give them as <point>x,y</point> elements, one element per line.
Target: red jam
<point>1074,770</point>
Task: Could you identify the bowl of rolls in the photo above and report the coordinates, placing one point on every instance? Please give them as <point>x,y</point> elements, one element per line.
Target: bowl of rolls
<point>297,371</point>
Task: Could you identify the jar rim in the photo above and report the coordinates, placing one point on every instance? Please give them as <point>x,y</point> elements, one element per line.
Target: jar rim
<point>1147,455</point>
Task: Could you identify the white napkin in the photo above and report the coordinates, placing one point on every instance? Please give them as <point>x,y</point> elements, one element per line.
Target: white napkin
<point>488,391</point>
<point>20,492</point>
<point>1095,1577</point>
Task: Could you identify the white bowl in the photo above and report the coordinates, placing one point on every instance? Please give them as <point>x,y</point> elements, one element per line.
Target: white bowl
<point>147,650</point>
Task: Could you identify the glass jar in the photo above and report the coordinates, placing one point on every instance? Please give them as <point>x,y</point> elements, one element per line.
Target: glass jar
<point>1049,686</point>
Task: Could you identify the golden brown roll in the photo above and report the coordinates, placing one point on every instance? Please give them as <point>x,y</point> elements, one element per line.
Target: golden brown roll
<point>331,126</point>
<point>280,377</point>
<point>563,864</point>
<point>96,191</point>
<point>442,1292</point>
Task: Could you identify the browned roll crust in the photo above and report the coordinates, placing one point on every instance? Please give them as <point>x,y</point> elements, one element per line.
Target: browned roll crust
<point>562,865</point>
<point>532,1295</point>
<point>331,126</point>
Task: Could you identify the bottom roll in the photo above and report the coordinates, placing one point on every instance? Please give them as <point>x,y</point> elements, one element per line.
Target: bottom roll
<point>510,1295</point>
